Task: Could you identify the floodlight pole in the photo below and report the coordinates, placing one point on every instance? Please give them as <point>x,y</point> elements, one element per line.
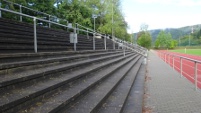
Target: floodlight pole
<point>94,23</point>
<point>112,26</point>
<point>189,40</point>
<point>189,37</point>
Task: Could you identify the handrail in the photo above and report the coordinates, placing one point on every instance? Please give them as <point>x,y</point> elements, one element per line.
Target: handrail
<point>85,31</point>
<point>84,27</point>
<point>196,62</point>
<point>89,30</point>
<point>21,14</point>
<point>34,10</point>
<point>183,57</point>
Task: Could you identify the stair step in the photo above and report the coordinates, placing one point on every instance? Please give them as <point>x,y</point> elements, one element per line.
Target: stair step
<point>38,71</point>
<point>48,84</point>
<point>94,98</point>
<point>135,97</point>
<point>116,101</point>
<point>7,22</point>
<point>6,58</point>
<point>50,60</point>
<point>27,62</point>
<point>73,90</point>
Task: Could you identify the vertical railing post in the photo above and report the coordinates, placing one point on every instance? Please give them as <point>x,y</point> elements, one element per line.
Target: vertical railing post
<point>196,76</point>
<point>49,22</point>
<point>87,34</point>
<point>173,62</point>
<point>113,42</point>
<point>67,25</point>
<point>180,67</point>
<point>165,57</point>
<point>75,39</point>
<point>169,59</point>
<point>124,50</point>
<point>94,48</point>
<point>77,28</point>
<point>20,12</point>
<point>105,42</point>
<point>0,10</point>
<point>35,36</point>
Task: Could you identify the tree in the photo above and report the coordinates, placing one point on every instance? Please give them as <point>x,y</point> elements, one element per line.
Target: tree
<point>173,44</point>
<point>145,39</point>
<point>165,40</point>
<point>80,11</point>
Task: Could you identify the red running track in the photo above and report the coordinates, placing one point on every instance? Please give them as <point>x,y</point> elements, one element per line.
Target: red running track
<point>188,67</point>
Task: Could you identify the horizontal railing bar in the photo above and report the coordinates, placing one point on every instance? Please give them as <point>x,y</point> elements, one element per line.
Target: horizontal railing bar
<point>183,57</point>
<point>85,31</point>
<point>33,9</point>
<point>89,29</point>
<point>188,75</point>
<point>84,27</point>
<point>25,15</point>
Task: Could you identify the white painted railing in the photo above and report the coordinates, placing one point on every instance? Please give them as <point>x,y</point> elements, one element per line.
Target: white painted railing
<point>190,68</point>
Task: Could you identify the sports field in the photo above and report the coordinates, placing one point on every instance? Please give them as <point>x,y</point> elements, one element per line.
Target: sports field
<point>188,51</point>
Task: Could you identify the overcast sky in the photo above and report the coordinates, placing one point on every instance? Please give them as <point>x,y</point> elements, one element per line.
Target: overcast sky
<point>161,13</point>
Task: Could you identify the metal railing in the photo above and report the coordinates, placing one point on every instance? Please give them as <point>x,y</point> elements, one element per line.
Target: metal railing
<point>49,17</point>
<point>34,24</point>
<point>76,30</point>
<point>87,30</point>
<point>190,68</point>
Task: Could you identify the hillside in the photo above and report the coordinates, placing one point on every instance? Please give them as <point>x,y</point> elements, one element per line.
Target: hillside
<point>175,32</point>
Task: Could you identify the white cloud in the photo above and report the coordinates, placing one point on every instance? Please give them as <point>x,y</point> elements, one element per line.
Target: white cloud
<point>171,13</point>
<point>189,3</point>
<point>172,2</point>
<point>161,22</point>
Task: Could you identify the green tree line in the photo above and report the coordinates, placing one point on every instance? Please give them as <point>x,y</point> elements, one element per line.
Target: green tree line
<point>80,11</point>
<point>164,40</point>
<point>192,39</point>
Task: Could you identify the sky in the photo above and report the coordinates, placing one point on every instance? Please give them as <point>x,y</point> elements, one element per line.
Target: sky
<point>161,14</point>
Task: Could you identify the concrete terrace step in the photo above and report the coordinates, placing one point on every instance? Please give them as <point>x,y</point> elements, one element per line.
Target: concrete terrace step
<point>29,29</point>
<point>50,60</point>
<point>134,101</point>
<point>28,47</point>
<point>35,56</point>
<point>23,37</point>
<point>63,80</point>
<point>92,100</point>
<point>17,37</point>
<point>74,89</point>
<point>13,77</point>
<point>39,88</point>
<point>31,34</point>
<point>117,99</point>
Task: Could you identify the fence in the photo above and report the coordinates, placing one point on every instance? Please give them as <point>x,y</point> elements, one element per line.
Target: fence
<point>44,15</point>
<point>187,67</point>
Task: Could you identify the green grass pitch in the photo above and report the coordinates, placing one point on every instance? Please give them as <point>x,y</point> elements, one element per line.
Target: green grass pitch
<point>188,51</point>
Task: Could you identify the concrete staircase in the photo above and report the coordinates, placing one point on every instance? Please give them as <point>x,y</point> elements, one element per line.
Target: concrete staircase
<point>19,37</point>
<point>56,80</point>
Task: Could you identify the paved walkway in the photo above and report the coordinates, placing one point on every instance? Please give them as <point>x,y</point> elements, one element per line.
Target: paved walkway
<point>166,92</point>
